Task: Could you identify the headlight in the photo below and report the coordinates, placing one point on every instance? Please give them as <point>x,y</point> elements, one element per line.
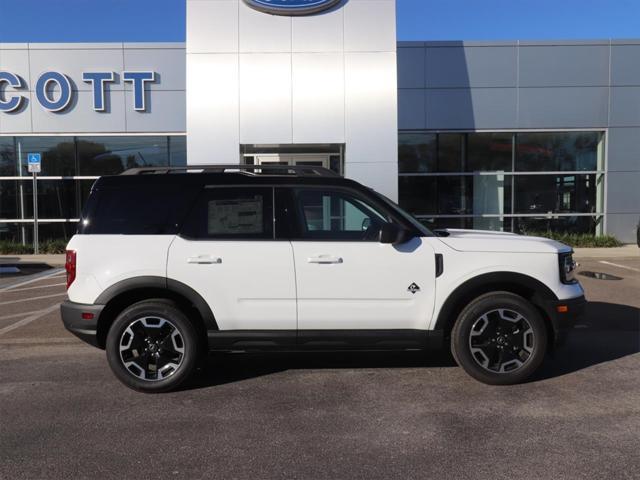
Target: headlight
<point>567,268</point>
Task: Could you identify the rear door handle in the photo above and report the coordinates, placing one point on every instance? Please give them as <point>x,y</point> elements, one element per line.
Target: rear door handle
<point>324,259</point>
<point>204,260</point>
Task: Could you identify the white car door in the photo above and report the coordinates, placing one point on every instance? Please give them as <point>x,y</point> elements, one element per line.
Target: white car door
<point>227,253</point>
<point>346,279</point>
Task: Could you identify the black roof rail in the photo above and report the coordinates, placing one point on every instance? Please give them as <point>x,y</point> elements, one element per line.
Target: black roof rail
<point>292,170</point>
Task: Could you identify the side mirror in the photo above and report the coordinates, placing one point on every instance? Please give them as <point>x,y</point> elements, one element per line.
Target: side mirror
<point>393,234</point>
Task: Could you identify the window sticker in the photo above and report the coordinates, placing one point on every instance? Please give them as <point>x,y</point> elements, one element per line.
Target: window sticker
<point>235,216</point>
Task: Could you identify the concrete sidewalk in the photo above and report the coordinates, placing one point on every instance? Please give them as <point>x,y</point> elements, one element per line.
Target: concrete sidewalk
<point>618,252</point>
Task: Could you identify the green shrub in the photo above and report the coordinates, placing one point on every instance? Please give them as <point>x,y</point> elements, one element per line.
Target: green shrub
<point>46,247</point>
<point>13,248</point>
<point>579,240</point>
<point>53,246</point>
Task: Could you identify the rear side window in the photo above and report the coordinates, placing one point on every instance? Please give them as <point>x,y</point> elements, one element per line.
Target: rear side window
<point>234,213</point>
<point>133,211</point>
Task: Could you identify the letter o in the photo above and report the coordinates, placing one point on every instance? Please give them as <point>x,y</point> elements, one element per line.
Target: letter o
<point>65,91</point>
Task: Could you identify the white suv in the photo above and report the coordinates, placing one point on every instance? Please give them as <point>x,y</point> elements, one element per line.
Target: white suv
<point>169,263</point>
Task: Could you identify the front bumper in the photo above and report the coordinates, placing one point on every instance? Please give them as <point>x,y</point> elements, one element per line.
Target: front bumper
<point>85,329</point>
<point>564,315</point>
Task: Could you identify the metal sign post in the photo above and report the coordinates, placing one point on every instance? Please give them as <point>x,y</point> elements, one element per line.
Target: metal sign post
<point>34,165</point>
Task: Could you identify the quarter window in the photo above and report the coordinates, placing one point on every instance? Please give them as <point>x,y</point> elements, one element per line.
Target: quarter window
<point>131,211</point>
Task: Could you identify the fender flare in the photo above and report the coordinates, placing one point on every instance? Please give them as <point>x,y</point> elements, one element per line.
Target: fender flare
<point>540,294</point>
<point>171,286</point>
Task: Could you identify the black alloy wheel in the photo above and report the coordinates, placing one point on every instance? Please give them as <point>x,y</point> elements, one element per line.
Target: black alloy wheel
<point>152,346</point>
<point>499,338</point>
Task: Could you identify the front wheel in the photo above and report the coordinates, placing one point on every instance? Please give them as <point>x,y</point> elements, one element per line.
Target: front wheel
<point>152,346</point>
<point>499,339</point>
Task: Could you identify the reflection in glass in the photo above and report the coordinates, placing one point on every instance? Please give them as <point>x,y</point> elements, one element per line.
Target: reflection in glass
<point>58,154</point>
<point>489,152</point>
<point>418,195</point>
<point>10,199</point>
<point>456,195</point>
<point>13,232</point>
<point>113,155</point>
<point>19,232</point>
<point>56,199</point>
<point>450,152</point>
<point>555,193</point>
<point>8,165</point>
<point>575,224</point>
<point>177,150</point>
<point>417,152</point>
<point>562,151</point>
<point>468,223</point>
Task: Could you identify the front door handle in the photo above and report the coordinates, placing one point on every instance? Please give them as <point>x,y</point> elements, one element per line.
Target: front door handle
<point>324,259</point>
<point>204,260</point>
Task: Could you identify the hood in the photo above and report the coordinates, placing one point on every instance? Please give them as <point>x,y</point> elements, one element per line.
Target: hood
<point>490,241</point>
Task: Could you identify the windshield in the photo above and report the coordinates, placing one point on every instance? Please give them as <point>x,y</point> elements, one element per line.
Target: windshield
<point>407,216</point>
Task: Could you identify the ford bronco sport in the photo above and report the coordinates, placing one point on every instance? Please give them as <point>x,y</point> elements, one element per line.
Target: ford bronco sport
<point>171,262</point>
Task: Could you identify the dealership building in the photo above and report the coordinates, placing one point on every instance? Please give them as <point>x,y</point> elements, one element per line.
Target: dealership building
<point>516,136</point>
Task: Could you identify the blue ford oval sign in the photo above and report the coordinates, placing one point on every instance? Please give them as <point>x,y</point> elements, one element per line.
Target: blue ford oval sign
<point>291,7</point>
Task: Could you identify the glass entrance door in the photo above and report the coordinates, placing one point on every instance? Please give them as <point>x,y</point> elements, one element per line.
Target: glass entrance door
<point>316,160</point>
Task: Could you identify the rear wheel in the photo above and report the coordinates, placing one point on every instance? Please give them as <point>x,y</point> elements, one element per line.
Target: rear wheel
<point>499,339</point>
<point>152,346</point>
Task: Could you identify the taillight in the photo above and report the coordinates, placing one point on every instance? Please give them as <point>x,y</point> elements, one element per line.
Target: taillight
<point>70,266</point>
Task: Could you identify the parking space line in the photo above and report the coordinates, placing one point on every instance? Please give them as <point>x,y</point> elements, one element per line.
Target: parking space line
<point>620,266</point>
<point>29,319</point>
<point>16,315</point>
<point>55,273</point>
<point>35,288</point>
<point>33,298</point>
<point>39,341</point>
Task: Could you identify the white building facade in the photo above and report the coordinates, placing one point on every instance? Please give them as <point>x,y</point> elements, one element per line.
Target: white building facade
<point>294,88</point>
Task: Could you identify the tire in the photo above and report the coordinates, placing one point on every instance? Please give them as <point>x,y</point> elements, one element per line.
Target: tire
<point>152,346</point>
<point>499,339</point>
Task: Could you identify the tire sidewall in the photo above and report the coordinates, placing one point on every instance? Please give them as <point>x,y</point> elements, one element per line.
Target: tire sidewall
<point>477,308</point>
<point>160,308</point>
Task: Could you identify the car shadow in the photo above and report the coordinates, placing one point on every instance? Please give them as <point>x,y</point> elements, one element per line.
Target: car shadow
<point>607,332</point>
<point>222,368</point>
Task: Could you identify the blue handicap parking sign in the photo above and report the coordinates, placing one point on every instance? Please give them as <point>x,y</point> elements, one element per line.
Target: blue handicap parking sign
<point>33,162</point>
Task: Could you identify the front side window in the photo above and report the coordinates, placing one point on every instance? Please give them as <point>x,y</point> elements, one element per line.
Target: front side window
<point>231,214</point>
<point>336,215</point>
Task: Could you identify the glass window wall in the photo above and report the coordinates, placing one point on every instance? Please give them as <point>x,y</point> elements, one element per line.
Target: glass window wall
<point>70,165</point>
<point>503,181</point>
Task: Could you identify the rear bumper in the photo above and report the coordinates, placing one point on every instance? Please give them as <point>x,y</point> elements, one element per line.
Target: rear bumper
<point>85,329</point>
<point>564,314</point>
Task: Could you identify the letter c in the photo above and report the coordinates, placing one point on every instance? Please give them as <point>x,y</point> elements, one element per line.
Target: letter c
<point>11,103</point>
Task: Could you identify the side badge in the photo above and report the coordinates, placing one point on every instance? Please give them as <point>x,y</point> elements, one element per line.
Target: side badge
<point>414,288</point>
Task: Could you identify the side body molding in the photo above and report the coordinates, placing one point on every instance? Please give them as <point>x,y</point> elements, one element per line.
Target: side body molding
<point>171,287</point>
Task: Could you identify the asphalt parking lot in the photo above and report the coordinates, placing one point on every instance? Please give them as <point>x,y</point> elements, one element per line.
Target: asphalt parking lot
<point>316,416</point>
